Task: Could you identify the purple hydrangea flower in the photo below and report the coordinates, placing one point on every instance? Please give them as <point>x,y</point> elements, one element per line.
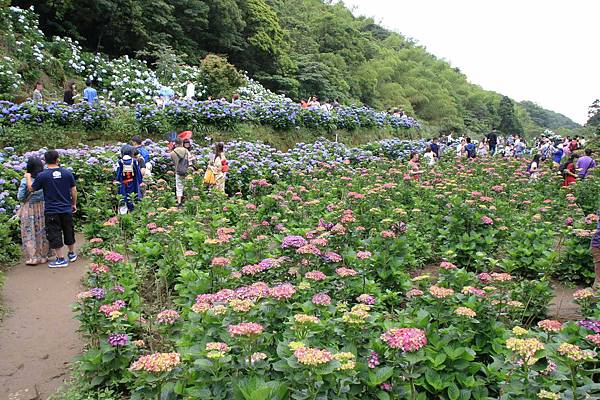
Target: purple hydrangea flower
<point>118,339</point>
<point>591,324</point>
<point>98,293</point>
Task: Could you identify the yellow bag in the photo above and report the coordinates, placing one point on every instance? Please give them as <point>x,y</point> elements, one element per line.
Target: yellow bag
<point>209,177</point>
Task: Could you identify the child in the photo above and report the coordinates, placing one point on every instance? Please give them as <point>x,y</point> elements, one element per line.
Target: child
<point>129,178</point>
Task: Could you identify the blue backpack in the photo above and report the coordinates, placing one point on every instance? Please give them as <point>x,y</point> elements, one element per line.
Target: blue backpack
<point>144,153</point>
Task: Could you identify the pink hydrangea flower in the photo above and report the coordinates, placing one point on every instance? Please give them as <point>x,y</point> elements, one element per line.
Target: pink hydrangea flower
<point>315,276</point>
<point>321,299</point>
<point>344,272</point>
<point>245,329</point>
<point>363,255</point>
<point>405,339</point>
<point>168,317</point>
<point>487,220</point>
<point>220,262</point>
<point>114,257</point>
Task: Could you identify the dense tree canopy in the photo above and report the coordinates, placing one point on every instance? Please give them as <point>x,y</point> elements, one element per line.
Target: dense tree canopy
<point>299,48</point>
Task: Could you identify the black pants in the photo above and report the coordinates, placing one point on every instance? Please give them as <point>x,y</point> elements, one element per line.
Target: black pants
<point>57,226</point>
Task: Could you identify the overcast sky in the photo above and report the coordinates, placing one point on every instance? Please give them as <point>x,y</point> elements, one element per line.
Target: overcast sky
<point>545,51</point>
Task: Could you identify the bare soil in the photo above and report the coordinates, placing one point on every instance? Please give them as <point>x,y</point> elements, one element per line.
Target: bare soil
<point>38,336</point>
<point>562,307</point>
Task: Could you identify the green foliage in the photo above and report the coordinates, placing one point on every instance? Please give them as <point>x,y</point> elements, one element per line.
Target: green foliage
<point>546,118</point>
<point>298,48</point>
<point>509,123</point>
<point>220,77</point>
<point>594,116</point>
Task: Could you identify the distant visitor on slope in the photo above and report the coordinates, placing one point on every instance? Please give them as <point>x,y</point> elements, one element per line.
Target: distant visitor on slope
<point>519,147</point>
<point>557,154</point>
<point>470,148</point>
<point>435,147</point>
<point>482,148</point>
<point>569,171</point>
<point>534,168</point>
<point>220,167</point>
<point>414,168</point>
<point>129,179</point>
<point>181,163</point>
<point>595,249</point>
<point>585,164</point>
<point>190,90</point>
<point>144,154</point>
<point>60,202</point>
<point>461,148</point>
<point>430,156</point>
<point>70,93</point>
<point>38,92</point>
<point>31,214</point>
<point>492,139</point>
<point>89,93</point>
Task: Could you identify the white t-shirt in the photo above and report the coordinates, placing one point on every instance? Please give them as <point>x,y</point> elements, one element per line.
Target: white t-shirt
<point>533,170</point>
<point>430,157</point>
<point>190,91</point>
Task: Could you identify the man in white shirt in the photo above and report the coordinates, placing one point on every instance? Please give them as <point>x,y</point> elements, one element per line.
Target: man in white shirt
<point>190,90</point>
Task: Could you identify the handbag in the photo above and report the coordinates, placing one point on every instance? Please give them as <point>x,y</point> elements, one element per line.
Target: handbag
<point>209,177</point>
<point>17,216</point>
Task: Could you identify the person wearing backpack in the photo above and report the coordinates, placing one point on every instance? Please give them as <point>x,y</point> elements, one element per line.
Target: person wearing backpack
<point>129,178</point>
<point>470,148</point>
<point>181,160</point>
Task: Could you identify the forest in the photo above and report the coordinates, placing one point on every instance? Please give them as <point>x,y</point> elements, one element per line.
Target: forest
<point>298,48</point>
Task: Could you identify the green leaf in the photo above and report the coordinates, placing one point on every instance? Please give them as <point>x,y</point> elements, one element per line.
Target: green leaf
<point>380,375</point>
<point>453,392</point>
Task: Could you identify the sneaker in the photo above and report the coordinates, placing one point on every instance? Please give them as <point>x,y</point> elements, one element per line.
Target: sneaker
<point>72,256</point>
<point>59,263</point>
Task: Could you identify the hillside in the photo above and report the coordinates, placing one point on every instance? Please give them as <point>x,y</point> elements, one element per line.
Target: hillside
<point>548,118</point>
<point>295,48</point>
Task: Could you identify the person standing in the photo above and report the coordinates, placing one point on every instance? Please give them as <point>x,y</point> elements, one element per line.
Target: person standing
<point>38,94</point>
<point>60,202</point>
<point>470,148</point>
<point>569,171</point>
<point>129,177</point>
<point>519,147</point>
<point>492,139</point>
<point>534,168</point>
<point>31,213</point>
<point>429,156</point>
<point>595,249</point>
<point>557,154</point>
<point>220,167</point>
<point>414,168</point>
<point>190,90</point>
<point>89,93</point>
<point>585,164</point>
<point>70,93</point>
<point>482,148</point>
<point>181,161</point>
<point>435,147</point>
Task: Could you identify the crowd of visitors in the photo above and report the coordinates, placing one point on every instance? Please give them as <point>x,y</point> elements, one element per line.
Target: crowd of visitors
<point>48,194</point>
<point>568,156</point>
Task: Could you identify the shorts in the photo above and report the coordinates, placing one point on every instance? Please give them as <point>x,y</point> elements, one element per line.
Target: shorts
<point>179,185</point>
<point>59,226</point>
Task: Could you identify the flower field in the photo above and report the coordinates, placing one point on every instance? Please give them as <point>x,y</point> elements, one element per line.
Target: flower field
<point>330,274</point>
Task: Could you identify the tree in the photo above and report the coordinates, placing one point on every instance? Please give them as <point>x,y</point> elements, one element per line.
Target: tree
<point>594,114</point>
<point>509,123</point>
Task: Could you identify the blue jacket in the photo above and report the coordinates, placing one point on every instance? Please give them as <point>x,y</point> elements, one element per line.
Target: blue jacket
<point>36,197</point>
<point>129,176</point>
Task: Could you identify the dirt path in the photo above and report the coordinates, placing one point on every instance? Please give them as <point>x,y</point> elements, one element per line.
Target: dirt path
<point>38,337</point>
<point>562,307</point>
